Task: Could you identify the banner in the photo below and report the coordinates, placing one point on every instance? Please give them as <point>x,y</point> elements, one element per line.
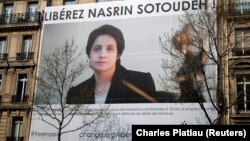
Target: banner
<point>147,90</point>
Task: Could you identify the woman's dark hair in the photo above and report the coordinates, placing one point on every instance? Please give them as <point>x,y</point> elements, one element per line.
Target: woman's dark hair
<point>106,30</point>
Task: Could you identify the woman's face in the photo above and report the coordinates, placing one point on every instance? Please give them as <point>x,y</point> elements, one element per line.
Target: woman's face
<point>103,53</point>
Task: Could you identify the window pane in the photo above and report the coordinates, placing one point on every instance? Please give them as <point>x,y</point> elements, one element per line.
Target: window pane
<point>240,94</point>
<point>245,8</point>
<point>33,8</point>
<point>8,10</point>
<point>17,127</point>
<point>243,92</point>
<point>3,44</point>
<point>241,6</point>
<point>247,77</point>
<point>69,2</point>
<point>27,42</point>
<point>246,41</point>
<point>248,96</point>
<point>26,47</point>
<point>242,42</point>
<point>21,87</point>
<point>1,82</point>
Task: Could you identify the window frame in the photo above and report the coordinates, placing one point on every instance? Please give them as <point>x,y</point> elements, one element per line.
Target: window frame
<point>1,82</point>
<point>33,15</point>
<point>242,38</point>
<point>21,97</point>
<point>19,121</point>
<point>8,15</point>
<point>26,50</point>
<point>245,107</point>
<point>3,50</point>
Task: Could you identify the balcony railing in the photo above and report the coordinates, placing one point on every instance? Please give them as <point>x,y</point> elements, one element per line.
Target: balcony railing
<point>24,56</point>
<point>3,56</point>
<point>14,138</point>
<point>241,8</point>
<point>18,99</point>
<point>240,51</point>
<point>20,18</point>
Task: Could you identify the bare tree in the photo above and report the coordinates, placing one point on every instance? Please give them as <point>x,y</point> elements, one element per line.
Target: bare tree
<point>58,71</point>
<point>199,30</point>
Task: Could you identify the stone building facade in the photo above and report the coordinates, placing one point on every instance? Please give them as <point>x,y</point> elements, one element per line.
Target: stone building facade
<point>235,36</point>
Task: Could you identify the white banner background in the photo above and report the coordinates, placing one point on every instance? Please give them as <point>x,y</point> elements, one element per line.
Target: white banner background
<point>117,125</point>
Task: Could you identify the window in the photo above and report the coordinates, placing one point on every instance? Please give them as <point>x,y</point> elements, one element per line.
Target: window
<point>8,10</point>
<point>27,44</point>
<point>17,129</point>
<point>69,2</point>
<point>33,9</point>
<point>1,81</point>
<point>49,2</point>
<point>3,44</point>
<point>1,88</point>
<point>26,49</point>
<point>21,88</point>
<point>241,7</point>
<point>242,42</point>
<point>243,93</point>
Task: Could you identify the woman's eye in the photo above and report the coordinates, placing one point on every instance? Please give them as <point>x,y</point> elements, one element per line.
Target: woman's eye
<point>96,49</point>
<point>110,49</point>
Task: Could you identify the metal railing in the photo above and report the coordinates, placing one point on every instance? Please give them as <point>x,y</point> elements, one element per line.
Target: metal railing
<point>3,56</point>
<point>18,99</point>
<point>240,8</point>
<point>20,18</point>
<point>24,56</point>
<point>241,51</point>
<point>11,138</point>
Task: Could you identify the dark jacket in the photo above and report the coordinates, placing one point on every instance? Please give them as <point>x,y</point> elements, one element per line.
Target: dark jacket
<point>84,93</point>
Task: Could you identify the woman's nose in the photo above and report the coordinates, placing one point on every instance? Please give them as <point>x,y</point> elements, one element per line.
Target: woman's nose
<point>102,53</point>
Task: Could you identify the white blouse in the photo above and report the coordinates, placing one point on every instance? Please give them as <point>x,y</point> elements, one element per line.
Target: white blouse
<point>100,99</point>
